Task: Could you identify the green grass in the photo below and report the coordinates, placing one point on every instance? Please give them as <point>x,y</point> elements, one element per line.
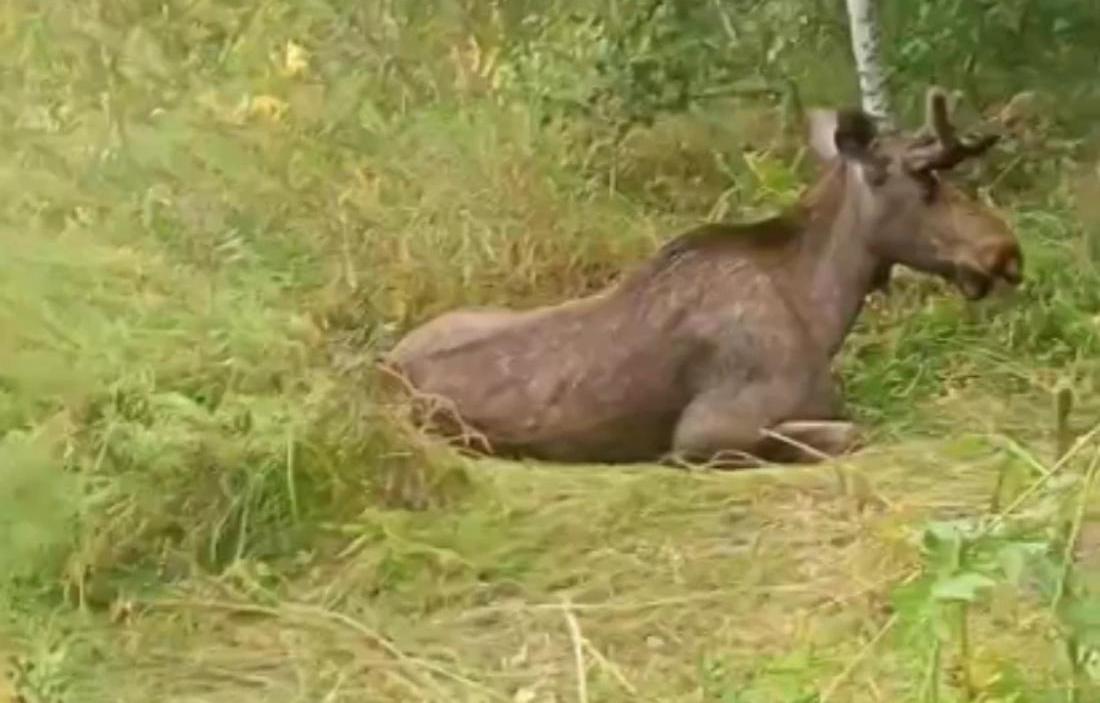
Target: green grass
<point>203,245</point>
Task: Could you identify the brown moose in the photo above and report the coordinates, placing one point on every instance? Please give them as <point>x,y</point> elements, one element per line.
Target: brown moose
<point>718,348</point>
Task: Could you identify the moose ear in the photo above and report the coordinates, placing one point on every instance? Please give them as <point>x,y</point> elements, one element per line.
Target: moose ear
<point>845,133</point>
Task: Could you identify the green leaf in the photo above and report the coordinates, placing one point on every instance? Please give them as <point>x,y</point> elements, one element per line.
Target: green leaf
<point>914,604</point>
<point>1014,557</point>
<point>962,587</point>
<point>942,543</point>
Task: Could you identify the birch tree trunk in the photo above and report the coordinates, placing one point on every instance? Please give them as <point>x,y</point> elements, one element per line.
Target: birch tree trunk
<point>863,24</point>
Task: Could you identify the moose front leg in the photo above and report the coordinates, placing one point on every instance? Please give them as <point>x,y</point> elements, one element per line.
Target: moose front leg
<point>723,428</point>
<point>823,429</point>
<point>738,429</point>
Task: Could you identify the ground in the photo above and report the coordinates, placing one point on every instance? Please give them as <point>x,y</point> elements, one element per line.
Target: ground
<point>215,217</point>
<point>657,585</point>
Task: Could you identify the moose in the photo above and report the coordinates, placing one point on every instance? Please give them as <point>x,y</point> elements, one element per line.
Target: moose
<point>717,349</point>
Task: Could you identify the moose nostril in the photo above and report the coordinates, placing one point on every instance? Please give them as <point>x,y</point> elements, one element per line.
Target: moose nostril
<point>1012,267</point>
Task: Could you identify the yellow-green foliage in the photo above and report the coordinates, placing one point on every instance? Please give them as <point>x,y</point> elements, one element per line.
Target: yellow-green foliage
<point>214,214</point>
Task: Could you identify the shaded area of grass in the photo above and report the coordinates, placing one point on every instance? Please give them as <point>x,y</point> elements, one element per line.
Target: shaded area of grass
<point>213,215</point>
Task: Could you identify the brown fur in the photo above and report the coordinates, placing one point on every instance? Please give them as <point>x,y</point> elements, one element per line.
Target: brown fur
<point>723,339</point>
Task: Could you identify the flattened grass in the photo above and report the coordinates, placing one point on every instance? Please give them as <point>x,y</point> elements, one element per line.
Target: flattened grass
<point>212,218</point>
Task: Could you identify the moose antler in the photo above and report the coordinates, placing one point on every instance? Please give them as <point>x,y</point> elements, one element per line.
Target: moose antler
<point>938,147</point>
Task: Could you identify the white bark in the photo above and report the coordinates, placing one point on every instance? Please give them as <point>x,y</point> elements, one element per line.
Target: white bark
<point>863,23</point>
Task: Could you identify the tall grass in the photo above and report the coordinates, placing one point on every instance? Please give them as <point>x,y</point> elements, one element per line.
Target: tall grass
<point>213,215</point>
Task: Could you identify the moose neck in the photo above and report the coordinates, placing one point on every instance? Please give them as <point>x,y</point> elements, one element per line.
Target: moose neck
<point>835,269</point>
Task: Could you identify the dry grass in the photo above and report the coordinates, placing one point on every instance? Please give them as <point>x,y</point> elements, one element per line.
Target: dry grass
<point>663,585</point>
<point>213,216</point>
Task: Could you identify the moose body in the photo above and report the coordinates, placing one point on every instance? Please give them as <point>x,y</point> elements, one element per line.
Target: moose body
<point>719,347</point>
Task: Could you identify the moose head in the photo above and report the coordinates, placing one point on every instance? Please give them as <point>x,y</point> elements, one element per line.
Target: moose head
<point>905,209</point>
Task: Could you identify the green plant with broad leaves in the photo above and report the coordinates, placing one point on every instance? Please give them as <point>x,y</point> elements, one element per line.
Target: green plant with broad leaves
<point>1025,550</point>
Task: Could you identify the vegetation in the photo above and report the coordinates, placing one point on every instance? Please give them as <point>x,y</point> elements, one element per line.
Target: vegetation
<point>214,213</point>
